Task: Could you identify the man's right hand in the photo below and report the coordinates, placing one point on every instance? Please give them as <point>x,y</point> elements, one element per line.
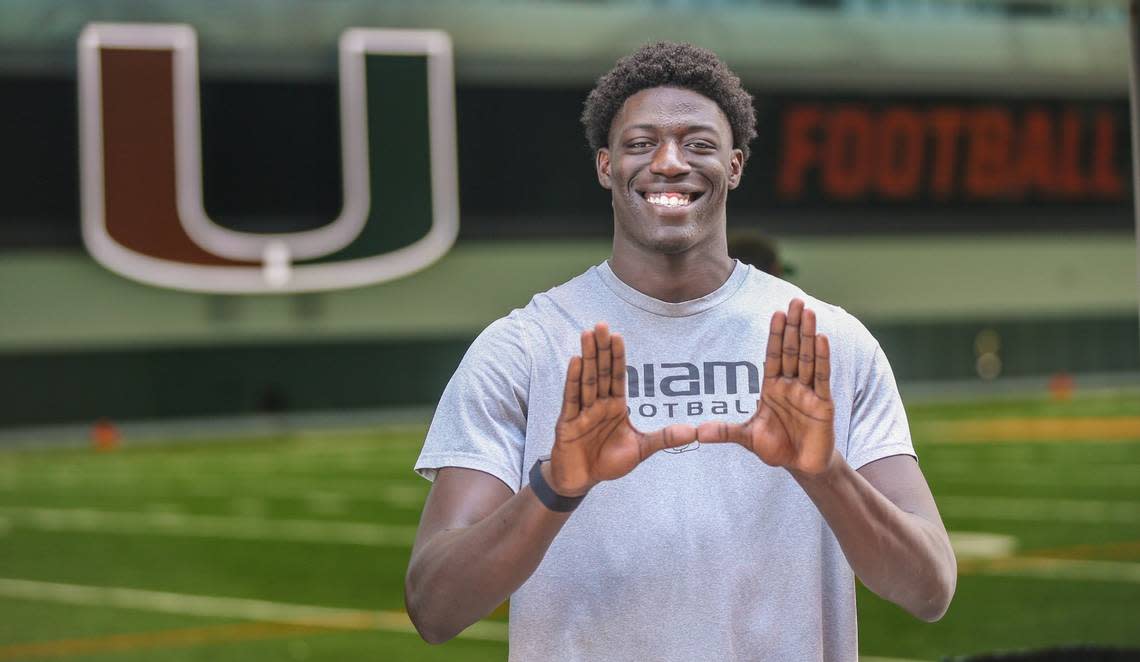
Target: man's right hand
<point>594,440</point>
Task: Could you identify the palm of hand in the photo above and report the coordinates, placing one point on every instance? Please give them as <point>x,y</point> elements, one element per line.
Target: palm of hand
<point>594,439</point>
<point>600,444</point>
<point>793,426</point>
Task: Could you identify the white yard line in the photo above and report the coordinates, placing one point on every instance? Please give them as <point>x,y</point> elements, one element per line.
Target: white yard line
<point>401,495</point>
<point>973,545</point>
<point>210,526</point>
<point>1040,510</point>
<point>219,607</point>
<point>251,610</point>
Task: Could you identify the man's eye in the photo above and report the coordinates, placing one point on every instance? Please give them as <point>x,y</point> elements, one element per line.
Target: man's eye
<point>700,144</point>
<point>639,144</point>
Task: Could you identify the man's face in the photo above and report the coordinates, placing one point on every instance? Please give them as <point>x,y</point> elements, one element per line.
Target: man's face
<point>669,165</point>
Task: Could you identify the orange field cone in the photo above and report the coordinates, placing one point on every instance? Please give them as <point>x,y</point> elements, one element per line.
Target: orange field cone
<point>105,435</point>
<point>1061,386</point>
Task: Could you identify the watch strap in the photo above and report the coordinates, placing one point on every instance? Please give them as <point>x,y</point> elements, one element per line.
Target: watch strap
<point>546,494</point>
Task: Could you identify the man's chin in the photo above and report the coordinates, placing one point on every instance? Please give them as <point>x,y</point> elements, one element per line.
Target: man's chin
<point>664,236</point>
<point>672,242</point>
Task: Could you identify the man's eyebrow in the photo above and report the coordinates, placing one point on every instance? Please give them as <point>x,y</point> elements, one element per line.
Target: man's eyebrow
<point>688,128</point>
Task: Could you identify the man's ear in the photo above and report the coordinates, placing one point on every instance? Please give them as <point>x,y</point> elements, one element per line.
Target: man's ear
<point>735,168</point>
<point>602,166</point>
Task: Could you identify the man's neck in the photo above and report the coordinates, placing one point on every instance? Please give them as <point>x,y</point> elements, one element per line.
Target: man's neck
<point>673,278</point>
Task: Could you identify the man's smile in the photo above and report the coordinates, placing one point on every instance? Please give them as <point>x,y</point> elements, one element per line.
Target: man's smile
<point>671,198</point>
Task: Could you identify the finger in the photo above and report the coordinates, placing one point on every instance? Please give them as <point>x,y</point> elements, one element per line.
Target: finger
<point>673,436</point>
<point>719,432</point>
<point>807,349</point>
<point>605,367</point>
<point>791,342</point>
<point>572,397</point>
<point>589,369</point>
<point>822,367</point>
<point>772,354</point>
<point>617,388</point>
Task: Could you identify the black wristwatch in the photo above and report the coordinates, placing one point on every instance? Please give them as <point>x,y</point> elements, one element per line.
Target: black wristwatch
<point>546,494</point>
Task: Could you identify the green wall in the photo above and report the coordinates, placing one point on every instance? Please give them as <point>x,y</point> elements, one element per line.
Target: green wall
<point>77,341</point>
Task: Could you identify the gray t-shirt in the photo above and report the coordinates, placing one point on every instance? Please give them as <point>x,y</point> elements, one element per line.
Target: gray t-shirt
<point>707,554</point>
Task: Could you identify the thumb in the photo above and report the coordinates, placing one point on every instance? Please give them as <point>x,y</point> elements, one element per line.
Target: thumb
<point>719,432</point>
<point>679,434</point>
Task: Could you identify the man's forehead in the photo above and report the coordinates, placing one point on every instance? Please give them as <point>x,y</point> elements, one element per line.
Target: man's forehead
<point>669,107</point>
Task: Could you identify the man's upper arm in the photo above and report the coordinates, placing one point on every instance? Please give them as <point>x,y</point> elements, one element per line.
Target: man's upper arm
<point>899,478</point>
<point>458,498</point>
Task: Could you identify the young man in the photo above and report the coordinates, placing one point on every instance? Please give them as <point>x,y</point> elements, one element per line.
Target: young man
<point>741,546</point>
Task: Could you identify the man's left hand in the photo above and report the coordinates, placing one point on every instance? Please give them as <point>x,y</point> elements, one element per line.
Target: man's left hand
<point>793,426</point>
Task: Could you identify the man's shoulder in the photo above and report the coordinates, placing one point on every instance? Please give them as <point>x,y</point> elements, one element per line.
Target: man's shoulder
<point>587,281</point>
<point>514,326</point>
<point>568,295</point>
<point>833,319</point>
<point>777,292</point>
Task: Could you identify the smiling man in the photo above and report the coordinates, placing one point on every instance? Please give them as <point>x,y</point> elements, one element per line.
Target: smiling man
<point>673,456</point>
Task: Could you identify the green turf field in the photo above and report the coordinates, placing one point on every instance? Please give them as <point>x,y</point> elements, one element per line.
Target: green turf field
<point>294,548</point>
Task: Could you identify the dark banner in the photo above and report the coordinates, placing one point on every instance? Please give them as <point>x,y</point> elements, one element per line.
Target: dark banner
<point>826,164</point>
<point>822,164</point>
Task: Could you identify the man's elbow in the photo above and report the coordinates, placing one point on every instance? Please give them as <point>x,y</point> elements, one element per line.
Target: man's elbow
<point>938,597</point>
<point>429,633</point>
<point>431,628</point>
<point>428,630</point>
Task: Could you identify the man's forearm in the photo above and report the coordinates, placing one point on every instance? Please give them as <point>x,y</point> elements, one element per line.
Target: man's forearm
<point>901,556</point>
<point>460,575</point>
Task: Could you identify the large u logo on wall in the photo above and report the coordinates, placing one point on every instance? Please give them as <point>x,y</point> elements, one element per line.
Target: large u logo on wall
<point>141,166</point>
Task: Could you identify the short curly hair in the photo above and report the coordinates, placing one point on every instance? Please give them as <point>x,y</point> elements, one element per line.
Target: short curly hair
<point>669,64</point>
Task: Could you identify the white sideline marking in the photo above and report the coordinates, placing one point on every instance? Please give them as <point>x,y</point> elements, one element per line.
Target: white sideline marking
<point>971,545</point>
<point>211,526</point>
<point>236,608</point>
<point>404,495</point>
<point>1073,569</point>
<point>251,610</point>
<point>1040,510</point>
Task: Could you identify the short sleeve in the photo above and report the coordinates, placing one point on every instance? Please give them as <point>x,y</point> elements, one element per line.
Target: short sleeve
<point>878,420</point>
<point>480,421</point>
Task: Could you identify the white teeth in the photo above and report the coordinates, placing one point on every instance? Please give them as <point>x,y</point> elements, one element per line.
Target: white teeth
<point>668,199</point>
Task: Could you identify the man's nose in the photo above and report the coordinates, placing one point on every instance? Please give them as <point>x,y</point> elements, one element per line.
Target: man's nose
<point>669,160</point>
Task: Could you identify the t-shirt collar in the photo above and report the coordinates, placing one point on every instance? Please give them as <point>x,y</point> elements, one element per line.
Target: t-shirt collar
<point>668,309</point>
